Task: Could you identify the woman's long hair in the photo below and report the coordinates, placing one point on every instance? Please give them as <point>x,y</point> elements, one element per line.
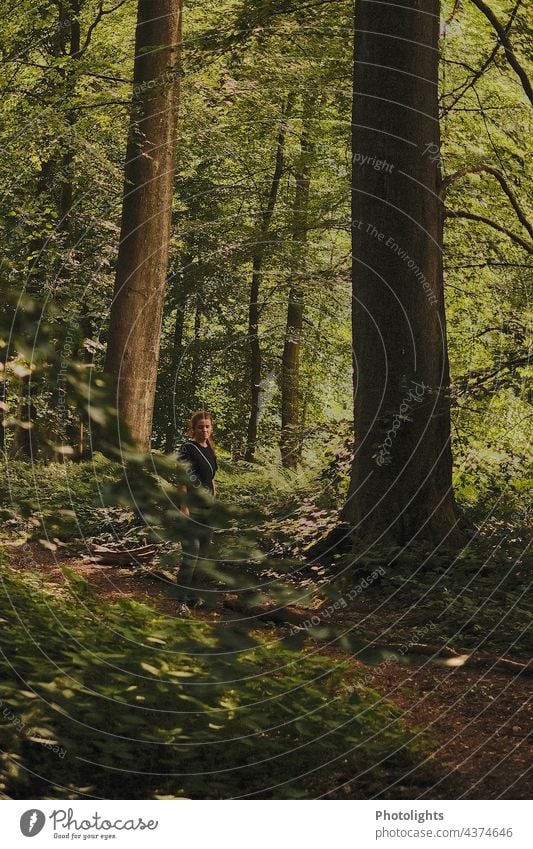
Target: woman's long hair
<point>195,418</point>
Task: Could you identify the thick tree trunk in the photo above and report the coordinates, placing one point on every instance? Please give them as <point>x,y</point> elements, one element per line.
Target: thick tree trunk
<point>136,312</point>
<point>257,267</point>
<point>290,367</point>
<point>401,486</point>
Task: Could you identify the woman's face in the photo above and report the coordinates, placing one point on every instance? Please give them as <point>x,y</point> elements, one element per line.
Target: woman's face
<point>203,430</point>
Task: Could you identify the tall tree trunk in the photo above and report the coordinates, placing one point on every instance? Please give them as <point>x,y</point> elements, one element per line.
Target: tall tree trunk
<point>137,309</point>
<point>257,267</point>
<point>401,485</point>
<point>290,367</point>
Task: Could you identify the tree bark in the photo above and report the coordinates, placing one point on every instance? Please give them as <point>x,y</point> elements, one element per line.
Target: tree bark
<point>290,367</point>
<point>136,312</point>
<point>257,267</point>
<point>401,484</point>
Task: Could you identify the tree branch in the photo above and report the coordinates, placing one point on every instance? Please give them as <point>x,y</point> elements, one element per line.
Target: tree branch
<point>479,73</point>
<point>482,220</point>
<point>456,8</point>
<point>487,264</point>
<point>99,15</point>
<point>502,35</point>
<point>477,380</point>
<point>488,169</point>
<point>16,61</point>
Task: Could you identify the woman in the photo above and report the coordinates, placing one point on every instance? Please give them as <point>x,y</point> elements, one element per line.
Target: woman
<point>199,457</point>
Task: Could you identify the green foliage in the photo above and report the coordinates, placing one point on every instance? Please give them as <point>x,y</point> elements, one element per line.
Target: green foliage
<point>478,599</point>
<point>241,61</point>
<point>138,705</point>
<point>64,499</point>
<point>494,471</point>
<point>117,700</point>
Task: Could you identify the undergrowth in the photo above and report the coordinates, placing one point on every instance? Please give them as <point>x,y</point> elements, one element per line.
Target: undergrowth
<point>116,701</point>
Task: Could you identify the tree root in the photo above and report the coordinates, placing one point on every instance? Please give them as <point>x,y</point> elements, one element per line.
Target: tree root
<point>446,656</point>
<point>122,556</point>
<point>288,615</point>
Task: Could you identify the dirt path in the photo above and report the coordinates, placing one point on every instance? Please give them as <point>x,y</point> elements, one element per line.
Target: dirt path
<point>480,720</point>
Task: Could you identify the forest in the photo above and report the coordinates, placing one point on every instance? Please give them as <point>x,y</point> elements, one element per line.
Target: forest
<point>309,221</point>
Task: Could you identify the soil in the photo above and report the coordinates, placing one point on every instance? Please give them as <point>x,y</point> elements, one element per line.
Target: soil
<point>479,719</point>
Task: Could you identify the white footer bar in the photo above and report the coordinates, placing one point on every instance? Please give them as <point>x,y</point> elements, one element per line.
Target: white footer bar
<point>266,824</point>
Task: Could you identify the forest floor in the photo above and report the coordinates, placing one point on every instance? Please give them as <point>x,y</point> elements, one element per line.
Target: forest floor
<point>479,718</point>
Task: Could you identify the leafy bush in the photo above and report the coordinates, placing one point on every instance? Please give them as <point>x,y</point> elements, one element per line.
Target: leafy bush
<point>120,702</point>
<point>478,598</point>
<point>61,496</point>
<point>493,473</point>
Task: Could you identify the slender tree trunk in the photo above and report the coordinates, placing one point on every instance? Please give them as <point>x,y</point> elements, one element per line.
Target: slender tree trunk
<point>137,309</point>
<point>257,267</point>
<point>255,357</point>
<point>290,368</point>
<point>290,378</point>
<point>179,324</point>
<point>75,430</point>
<point>196,363</point>
<point>177,349</point>
<point>70,42</point>
<point>24,443</point>
<point>401,485</point>
<point>3,408</point>
<point>303,422</point>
